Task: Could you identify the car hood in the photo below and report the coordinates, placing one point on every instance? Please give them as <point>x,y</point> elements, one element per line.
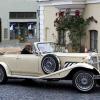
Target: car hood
<point>74,55</point>
<point>71,54</point>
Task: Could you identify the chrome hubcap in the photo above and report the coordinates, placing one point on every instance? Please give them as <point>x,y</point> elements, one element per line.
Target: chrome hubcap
<point>49,65</point>
<point>84,81</point>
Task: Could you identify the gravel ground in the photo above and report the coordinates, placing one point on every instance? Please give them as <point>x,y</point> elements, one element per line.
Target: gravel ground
<point>43,90</point>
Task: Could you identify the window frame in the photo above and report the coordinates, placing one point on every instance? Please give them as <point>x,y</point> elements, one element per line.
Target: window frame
<point>94,40</point>
<point>22,15</point>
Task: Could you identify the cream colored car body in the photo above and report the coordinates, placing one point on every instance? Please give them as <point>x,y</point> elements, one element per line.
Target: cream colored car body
<point>29,65</point>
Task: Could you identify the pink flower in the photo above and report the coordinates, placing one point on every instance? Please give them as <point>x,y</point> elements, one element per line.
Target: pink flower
<point>77,13</point>
<point>61,13</point>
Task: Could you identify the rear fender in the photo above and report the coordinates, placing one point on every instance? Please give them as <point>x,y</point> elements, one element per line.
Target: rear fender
<point>5,68</point>
<point>83,65</point>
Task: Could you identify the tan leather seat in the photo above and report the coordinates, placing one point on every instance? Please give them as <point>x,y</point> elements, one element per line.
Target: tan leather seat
<point>10,50</point>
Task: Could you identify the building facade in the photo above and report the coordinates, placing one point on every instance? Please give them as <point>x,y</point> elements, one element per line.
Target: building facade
<point>87,8</point>
<point>19,20</point>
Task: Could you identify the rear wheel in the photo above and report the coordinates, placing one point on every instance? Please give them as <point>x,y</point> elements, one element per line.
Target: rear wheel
<point>3,76</point>
<point>83,81</point>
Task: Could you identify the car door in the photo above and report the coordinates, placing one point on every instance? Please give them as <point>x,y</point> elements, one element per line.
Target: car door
<point>10,60</point>
<point>27,64</point>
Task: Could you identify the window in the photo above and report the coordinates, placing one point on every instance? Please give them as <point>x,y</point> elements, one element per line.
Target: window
<point>23,31</point>
<point>93,40</point>
<point>61,38</point>
<point>22,15</point>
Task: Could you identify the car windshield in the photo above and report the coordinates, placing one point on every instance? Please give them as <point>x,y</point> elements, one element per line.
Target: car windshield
<point>49,47</point>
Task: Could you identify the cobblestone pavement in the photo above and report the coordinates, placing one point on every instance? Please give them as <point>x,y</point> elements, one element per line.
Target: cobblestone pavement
<point>43,90</point>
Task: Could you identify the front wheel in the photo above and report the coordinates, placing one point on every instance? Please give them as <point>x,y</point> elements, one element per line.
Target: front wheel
<point>83,81</point>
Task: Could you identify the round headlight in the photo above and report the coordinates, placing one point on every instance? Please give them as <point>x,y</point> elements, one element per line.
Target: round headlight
<point>88,60</point>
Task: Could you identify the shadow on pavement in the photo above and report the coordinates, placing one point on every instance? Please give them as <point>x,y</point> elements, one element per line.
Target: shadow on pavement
<point>44,84</point>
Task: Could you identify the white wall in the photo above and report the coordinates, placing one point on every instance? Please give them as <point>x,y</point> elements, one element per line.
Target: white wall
<point>49,29</point>
<point>7,6</point>
<point>93,10</point>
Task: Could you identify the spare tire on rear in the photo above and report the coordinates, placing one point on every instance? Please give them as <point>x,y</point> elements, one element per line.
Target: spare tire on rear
<point>50,63</point>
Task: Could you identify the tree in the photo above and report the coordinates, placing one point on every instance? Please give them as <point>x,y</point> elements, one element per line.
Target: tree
<point>75,24</point>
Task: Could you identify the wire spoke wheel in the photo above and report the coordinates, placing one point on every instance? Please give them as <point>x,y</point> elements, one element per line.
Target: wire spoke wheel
<point>49,64</point>
<point>84,81</point>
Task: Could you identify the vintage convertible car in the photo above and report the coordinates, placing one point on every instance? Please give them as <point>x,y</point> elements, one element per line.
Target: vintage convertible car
<point>49,63</point>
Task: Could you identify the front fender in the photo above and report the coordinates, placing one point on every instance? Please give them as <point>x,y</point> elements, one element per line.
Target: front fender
<point>6,68</point>
<point>83,65</point>
<point>65,71</point>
